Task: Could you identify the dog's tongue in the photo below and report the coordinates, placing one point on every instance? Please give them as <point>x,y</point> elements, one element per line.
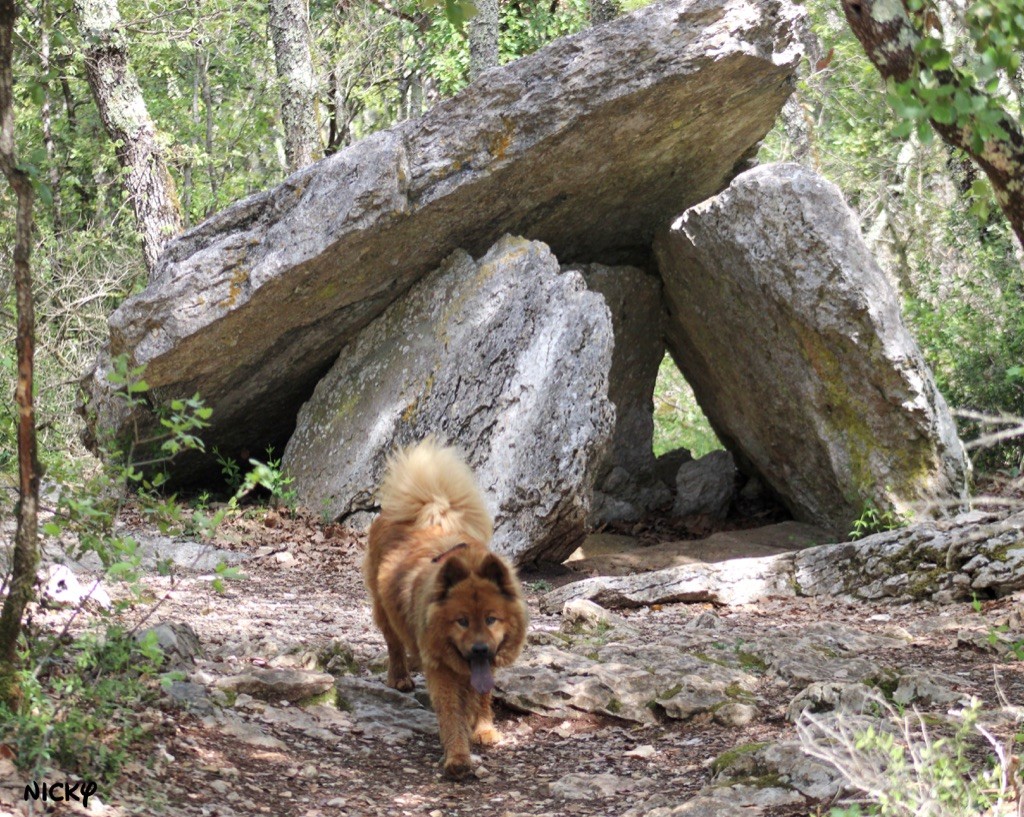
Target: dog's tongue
<point>480,677</point>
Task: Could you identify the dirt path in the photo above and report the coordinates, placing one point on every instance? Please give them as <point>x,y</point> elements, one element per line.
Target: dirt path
<point>303,599</point>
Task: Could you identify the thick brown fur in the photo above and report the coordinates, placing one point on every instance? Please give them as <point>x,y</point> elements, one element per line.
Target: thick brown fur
<point>439,593</point>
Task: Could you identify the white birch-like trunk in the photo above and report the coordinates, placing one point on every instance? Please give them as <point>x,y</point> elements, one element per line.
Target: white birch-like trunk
<point>289,30</point>
<point>483,37</point>
<point>118,96</point>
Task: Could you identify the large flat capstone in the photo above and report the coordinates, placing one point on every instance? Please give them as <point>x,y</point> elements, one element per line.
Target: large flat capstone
<point>792,339</point>
<point>589,145</point>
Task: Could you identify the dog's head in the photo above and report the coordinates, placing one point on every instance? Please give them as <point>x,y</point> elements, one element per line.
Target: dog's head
<point>479,615</point>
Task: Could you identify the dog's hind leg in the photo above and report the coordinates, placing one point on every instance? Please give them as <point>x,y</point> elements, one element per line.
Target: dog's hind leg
<point>398,668</point>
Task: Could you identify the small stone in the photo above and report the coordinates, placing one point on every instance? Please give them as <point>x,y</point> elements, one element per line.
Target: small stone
<point>482,772</point>
<point>584,614</point>
<point>589,786</point>
<point>61,588</point>
<point>705,486</point>
<point>286,685</point>
<point>643,752</point>
<point>735,714</point>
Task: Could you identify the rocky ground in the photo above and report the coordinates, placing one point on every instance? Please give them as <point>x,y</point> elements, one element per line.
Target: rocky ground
<point>646,712</point>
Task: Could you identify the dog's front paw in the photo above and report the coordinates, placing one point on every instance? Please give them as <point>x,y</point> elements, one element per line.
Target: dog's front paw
<point>402,684</point>
<point>457,767</point>
<point>486,736</point>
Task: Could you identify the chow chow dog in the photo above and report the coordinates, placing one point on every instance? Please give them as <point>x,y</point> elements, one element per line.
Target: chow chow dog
<point>445,603</point>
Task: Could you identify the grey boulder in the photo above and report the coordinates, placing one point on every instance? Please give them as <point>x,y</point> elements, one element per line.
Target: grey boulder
<point>706,486</point>
<point>791,337</point>
<point>508,359</point>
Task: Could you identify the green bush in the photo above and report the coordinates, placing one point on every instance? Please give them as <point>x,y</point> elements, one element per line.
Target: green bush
<point>80,703</point>
<point>906,764</point>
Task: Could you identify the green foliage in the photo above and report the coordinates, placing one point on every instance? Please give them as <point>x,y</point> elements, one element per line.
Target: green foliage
<point>872,519</point>
<point>1015,648</point>
<point>678,419</point>
<point>975,341</point>
<point>539,586</point>
<point>267,475</point>
<point>82,697</point>
<point>961,81</point>
<point>90,500</point>
<point>230,470</point>
<point>953,784</point>
<point>80,708</point>
<point>927,213</point>
<point>908,766</point>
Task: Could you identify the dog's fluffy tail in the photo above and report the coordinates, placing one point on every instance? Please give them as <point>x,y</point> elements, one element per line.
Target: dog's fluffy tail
<point>428,484</point>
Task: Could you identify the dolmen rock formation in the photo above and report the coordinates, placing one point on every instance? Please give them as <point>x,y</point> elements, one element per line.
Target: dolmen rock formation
<point>506,272</point>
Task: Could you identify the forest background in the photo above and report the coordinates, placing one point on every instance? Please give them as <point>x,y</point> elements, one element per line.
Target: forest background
<point>238,94</point>
<point>214,88</point>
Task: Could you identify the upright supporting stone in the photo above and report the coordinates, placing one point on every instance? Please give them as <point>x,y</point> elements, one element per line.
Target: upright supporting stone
<point>627,486</point>
<point>507,358</point>
<point>792,339</point>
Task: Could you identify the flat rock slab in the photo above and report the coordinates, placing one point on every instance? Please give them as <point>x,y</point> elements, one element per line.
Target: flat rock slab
<point>290,685</point>
<point>380,711</point>
<point>784,763</point>
<point>738,581</point>
<point>636,684</point>
<point>615,555</point>
<point>951,560</point>
<point>589,145</point>
<point>792,339</point>
<point>720,801</point>
<point>973,555</point>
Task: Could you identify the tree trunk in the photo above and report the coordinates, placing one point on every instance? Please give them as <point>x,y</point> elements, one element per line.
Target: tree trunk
<point>148,183</point>
<point>603,11</point>
<point>483,38</point>
<point>889,37</point>
<point>46,115</point>
<point>211,165</point>
<point>26,546</point>
<point>289,29</point>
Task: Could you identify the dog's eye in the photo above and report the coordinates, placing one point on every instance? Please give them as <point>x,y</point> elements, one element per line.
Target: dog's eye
<point>491,620</point>
<point>463,622</point>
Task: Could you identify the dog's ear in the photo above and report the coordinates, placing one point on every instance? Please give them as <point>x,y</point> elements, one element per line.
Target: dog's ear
<point>494,569</point>
<point>454,571</point>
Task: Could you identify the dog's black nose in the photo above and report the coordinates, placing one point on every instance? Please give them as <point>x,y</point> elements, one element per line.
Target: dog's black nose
<point>480,651</point>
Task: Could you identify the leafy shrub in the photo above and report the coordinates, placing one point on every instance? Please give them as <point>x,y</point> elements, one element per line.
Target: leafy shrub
<point>80,703</point>
<point>872,519</point>
<point>910,765</point>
